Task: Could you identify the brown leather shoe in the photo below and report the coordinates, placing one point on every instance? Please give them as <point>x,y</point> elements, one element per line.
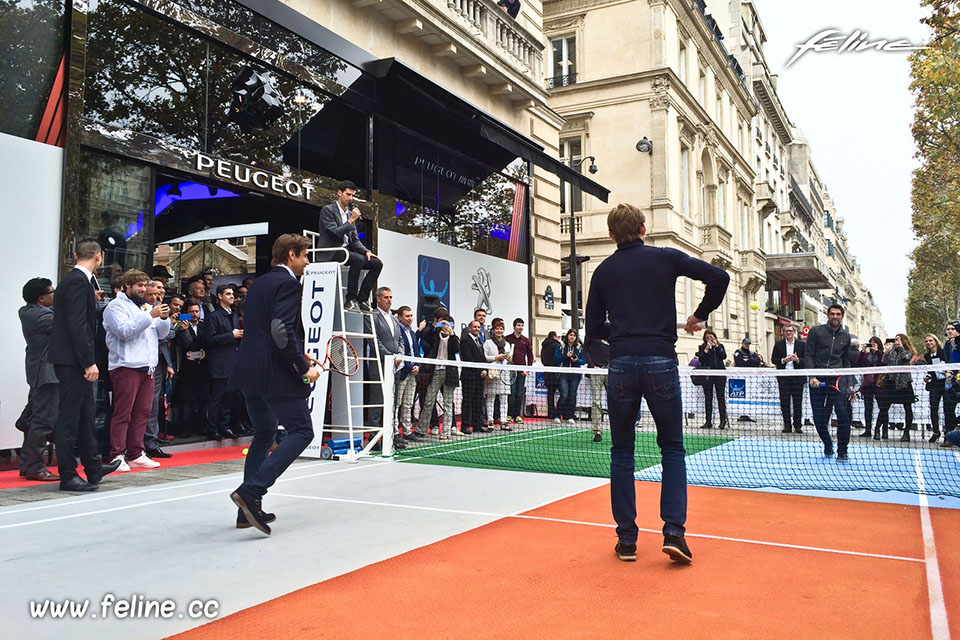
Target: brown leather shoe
<point>43,476</point>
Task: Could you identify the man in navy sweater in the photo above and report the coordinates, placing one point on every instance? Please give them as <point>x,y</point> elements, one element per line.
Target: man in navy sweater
<point>635,288</point>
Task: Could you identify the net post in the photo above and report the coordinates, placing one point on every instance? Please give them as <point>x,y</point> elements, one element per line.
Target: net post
<point>389,415</point>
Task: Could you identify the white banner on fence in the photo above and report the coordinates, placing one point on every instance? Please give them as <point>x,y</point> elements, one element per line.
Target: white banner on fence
<point>317,311</point>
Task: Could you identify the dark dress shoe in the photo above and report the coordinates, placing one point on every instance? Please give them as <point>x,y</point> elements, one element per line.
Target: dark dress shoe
<point>228,434</point>
<point>212,435</point>
<point>364,307</point>
<point>250,506</point>
<point>243,523</point>
<point>105,469</point>
<point>43,476</point>
<point>399,444</point>
<point>158,453</point>
<point>351,305</point>
<point>76,483</point>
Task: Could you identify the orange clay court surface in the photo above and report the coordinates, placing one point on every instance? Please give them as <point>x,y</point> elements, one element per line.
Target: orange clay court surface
<point>542,578</point>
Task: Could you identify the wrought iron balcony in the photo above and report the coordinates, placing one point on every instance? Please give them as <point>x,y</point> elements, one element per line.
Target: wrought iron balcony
<point>561,81</point>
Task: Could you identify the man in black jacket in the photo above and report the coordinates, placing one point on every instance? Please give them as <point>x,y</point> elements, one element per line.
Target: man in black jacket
<point>788,355</point>
<point>471,379</point>
<point>642,332</point>
<point>744,357</point>
<point>270,372</point>
<point>338,229</point>
<point>72,355</point>
<point>548,349</point>
<point>193,385</point>
<point>220,336</point>
<point>828,347</point>
<point>40,414</point>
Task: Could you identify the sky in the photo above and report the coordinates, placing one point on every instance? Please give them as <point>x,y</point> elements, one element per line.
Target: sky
<point>856,109</point>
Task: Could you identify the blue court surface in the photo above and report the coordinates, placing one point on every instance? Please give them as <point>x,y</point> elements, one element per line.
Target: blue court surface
<point>874,473</point>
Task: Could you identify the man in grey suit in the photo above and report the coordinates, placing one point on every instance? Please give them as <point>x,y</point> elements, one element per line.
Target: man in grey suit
<point>387,329</point>
<point>337,229</point>
<point>40,414</point>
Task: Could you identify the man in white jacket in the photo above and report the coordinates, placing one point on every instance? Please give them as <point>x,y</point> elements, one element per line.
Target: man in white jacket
<point>133,329</point>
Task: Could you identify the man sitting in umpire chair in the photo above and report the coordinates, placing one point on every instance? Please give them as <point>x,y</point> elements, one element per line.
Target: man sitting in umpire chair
<point>338,229</point>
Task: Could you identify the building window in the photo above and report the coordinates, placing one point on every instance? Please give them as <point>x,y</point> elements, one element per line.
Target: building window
<point>682,64</point>
<point>720,111</point>
<point>564,65</point>
<point>565,225</point>
<point>740,136</point>
<point>702,88</point>
<point>571,154</point>
<point>703,198</point>
<point>684,181</point>
<point>742,216</point>
<point>722,204</point>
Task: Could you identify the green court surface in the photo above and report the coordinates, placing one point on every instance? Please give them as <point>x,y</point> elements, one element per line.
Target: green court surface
<point>552,449</point>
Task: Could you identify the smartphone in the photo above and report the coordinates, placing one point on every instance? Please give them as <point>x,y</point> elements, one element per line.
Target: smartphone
<point>185,317</point>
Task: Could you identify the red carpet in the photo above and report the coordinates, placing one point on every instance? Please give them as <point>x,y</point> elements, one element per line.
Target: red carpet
<point>12,479</point>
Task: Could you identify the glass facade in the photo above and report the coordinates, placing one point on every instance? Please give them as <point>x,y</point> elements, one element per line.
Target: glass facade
<point>161,86</point>
<point>31,39</point>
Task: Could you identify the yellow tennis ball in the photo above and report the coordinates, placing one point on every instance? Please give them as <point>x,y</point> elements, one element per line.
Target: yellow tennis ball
<point>754,305</point>
<point>245,450</point>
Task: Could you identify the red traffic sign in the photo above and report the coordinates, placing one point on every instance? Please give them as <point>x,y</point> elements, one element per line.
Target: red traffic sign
<point>804,332</point>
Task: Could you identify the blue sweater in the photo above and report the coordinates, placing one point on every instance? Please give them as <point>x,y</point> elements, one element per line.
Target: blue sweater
<point>636,287</point>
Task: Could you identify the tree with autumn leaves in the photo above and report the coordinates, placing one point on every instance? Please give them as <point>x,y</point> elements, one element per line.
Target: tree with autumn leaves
<point>934,282</point>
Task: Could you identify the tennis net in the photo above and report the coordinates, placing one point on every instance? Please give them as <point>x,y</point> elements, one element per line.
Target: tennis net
<point>557,421</point>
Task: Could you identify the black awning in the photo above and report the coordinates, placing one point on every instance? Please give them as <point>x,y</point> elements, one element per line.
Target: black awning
<point>397,78</point>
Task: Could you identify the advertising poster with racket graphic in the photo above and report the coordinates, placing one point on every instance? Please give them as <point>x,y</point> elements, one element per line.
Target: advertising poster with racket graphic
<point>317,311</point>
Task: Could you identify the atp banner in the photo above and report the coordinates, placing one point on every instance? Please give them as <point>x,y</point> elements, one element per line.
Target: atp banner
<point>318,308</point>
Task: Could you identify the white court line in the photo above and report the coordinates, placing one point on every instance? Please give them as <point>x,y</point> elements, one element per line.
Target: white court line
<point>938,609</point>
<point>174,499</point>
<point>597,524</point>
<point>122,492</point>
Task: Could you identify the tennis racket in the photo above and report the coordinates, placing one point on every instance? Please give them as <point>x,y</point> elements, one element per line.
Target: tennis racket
<point>341,358</point>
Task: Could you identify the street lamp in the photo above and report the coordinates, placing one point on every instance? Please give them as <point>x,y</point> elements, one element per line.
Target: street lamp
<point>574,264</point>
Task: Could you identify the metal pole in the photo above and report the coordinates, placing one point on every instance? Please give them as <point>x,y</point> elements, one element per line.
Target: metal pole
<point>574,274</point>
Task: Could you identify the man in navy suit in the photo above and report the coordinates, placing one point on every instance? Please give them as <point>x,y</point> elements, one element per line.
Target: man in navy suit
<point>338,229</point>
<point>71,353</point>
<point>269,372</point>
<point>220,336</point>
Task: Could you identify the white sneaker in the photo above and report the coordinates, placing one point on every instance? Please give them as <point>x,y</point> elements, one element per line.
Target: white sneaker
<point>457,432</point>
<point>143,462</point>
<point>571,422</point>
<point>123,463</point>
<point>556,421</point>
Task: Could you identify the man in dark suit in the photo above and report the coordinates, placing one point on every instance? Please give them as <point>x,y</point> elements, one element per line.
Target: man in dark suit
<point>40,414</point>
<point>788,353</point>
<point>193,387</point>
<point>220,336</point>
<point>337,229</point>
<point>387,329</point>
<point>71,353</point>
<point>471,379</point>
<point>270,371</point>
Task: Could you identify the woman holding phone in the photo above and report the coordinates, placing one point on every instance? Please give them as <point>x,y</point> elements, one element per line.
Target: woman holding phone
<point>711,355</point>
<point>497,351</point>
<point>569,354</point>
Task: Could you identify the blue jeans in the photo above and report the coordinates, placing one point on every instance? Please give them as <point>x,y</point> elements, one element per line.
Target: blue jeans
<point>262,468</point>
<point>655,378</point>
<point>823,400</point>
<point>567,404</point>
